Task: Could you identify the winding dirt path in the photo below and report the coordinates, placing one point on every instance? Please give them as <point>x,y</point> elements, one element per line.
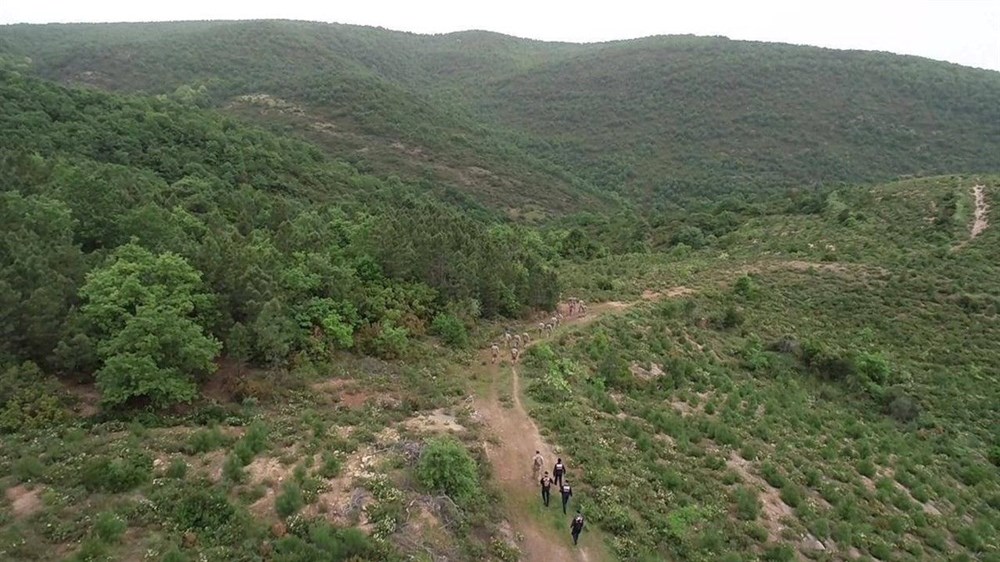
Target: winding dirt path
<point>980,222</point>
<point>518,438</point>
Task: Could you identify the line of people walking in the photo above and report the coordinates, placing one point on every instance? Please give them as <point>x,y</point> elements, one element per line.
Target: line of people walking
<point>558,479</point>
<point>516,342</point>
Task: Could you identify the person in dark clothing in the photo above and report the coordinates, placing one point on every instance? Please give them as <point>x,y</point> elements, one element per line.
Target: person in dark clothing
<point>576,526</point>
<point>558,471</point>
<point>566,493</point>
<point>546,483</point>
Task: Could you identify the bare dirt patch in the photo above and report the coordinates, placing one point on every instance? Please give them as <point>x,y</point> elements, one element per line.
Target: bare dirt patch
<point>87,398</point>
<point>351,394</point>
<point>343,500</point>
<point>774,509</point>
<point>437,421</point>
<point>24,502</point>
<point>640,372</point>
<point>981,221</point>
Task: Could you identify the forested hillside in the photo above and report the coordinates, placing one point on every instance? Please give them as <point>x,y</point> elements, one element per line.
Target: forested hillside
<point>655,118</point>
<point>274,248</point>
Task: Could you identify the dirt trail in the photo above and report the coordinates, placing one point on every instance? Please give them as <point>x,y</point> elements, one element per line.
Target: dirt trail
<point>519,438</point>
<point>981,222</point>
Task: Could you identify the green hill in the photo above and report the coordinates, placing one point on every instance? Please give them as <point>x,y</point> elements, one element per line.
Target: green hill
<point>655,118</point>
<point>251,274</point>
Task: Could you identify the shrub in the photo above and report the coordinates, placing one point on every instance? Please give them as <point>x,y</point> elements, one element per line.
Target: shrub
<point>331,466</point>
<point>290,500</point>
<point>324,543</point>
<point>205,440</point>
<point>391,342</point>
<point>232,469</point>
<point>772,475</point>
<point>109,527</point>
<point>780,553</point>
<point>174,554</point>
<point>177,469</point>
<point>747,504</point>
<point>745,287</point>
<point>450,329</point>
<point>791,495</point>
<point>92,550</point>
<point>201,507</point>
<point>118,474</point>
<point>732,317</point>
<point>446,465</point>
<point>29,399</point>
<point>901,406</point>
<point>28,469</point>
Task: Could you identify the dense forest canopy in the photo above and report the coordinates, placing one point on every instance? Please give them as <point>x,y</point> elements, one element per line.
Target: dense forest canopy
<point>287,250</point>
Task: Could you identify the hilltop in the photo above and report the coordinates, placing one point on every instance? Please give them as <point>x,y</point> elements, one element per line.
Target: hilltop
<point>565,124</point>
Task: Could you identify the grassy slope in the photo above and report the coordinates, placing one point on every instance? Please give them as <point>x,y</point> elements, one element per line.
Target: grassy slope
<point>749,451</point>
<point>653,117</point>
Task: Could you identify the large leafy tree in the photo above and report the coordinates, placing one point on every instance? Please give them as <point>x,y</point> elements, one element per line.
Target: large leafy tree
<point>145,313</point>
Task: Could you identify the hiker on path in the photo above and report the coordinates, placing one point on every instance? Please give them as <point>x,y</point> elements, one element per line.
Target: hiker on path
<point>566,492</point>
<point>536,465</point>
<point>576,526</point>
<point>558,471</point>
<point>495,349</point>
<point>546,483</point>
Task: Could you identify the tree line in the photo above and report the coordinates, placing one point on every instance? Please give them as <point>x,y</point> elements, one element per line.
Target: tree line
<point>141,239</point>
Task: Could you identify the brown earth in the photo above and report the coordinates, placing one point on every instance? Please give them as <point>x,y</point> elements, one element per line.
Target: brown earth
<point>24,502</point>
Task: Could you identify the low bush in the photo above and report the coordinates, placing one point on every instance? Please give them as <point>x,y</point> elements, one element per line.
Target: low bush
<point>445,465</point>
<point>119,474</point>
<point>450,329</point>
<point>290,500</point>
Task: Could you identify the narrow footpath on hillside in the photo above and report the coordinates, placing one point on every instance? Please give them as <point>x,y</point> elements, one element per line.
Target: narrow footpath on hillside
<point>980,221</point>
<point>517,440</point>
<point>980,217</point>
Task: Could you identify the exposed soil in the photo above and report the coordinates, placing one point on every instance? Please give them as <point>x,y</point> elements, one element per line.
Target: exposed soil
<point>981,219</point>
<point>774,509</point>
<point>24,502</point>
<point>436,421</point>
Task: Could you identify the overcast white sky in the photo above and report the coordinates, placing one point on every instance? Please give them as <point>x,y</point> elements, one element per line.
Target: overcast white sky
<point>962,31</point>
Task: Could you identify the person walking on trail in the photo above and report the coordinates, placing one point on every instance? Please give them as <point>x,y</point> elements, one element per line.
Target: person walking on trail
<point>495,350</point>
<point>558,471</point>
<point>546,483</point>
<point>567,493</point>
<point>536,465</point>
<point>576,526</point>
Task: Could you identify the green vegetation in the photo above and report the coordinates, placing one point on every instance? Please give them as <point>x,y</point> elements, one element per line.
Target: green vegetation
<point>241,295</point>
<point>446,466</point>
<point>816,417</point>
<point>544,127</point>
